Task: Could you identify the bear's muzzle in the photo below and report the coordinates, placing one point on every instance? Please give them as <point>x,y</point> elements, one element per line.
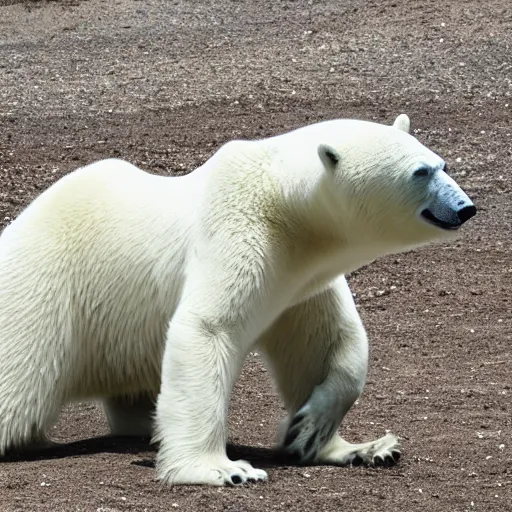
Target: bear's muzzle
<point>449,206</point>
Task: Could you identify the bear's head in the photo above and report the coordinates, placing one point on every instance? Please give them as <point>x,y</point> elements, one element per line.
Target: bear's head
<point>389,188</point>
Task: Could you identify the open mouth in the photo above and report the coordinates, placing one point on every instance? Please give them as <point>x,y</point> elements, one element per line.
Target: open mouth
<point>432,219</point>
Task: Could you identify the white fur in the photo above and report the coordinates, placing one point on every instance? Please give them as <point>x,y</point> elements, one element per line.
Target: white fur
<point>135,288</point>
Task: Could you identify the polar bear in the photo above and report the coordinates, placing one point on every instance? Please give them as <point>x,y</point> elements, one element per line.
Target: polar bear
<point>148,292</point>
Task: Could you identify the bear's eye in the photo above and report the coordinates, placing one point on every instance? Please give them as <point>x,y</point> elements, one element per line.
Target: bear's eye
<point>445,168</point>
<point>422,172</point>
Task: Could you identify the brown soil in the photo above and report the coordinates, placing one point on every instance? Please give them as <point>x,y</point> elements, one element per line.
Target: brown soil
<point>163,84</point>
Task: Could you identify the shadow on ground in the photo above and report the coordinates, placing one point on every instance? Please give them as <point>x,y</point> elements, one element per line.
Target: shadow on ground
<point>262,457</point>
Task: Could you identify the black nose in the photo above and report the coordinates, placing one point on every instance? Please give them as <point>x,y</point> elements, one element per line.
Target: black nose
<point>466,213</point>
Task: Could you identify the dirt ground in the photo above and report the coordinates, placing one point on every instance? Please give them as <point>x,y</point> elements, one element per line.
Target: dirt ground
<point>163,84</point>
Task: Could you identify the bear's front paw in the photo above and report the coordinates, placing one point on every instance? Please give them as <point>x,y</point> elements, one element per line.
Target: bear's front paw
<point>308,433</point>
<point>384,451</point>
<point>210,471</point>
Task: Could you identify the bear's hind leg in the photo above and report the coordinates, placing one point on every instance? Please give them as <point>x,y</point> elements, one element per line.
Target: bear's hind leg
<point>35,378</point>
<point>130,416</point>
<point>318,352</point>
<point>28,410</point>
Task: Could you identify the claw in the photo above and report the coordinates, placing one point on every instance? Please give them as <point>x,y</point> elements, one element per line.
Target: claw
<point>377,461</point>
<point>388,459</point>
<point>357,461</point>
<point>236,479</point>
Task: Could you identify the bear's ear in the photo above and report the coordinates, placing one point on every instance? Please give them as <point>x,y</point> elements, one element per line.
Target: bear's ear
<point>403,123</point>
<point>329,156</point>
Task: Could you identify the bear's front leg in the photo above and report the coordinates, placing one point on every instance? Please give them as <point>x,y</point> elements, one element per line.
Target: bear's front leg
<point>201,363</point>
<point>312,435</point>
<point>318,351</point>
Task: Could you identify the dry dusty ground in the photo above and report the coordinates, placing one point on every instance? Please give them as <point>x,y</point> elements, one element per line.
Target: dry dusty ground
<point>163,84</point>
